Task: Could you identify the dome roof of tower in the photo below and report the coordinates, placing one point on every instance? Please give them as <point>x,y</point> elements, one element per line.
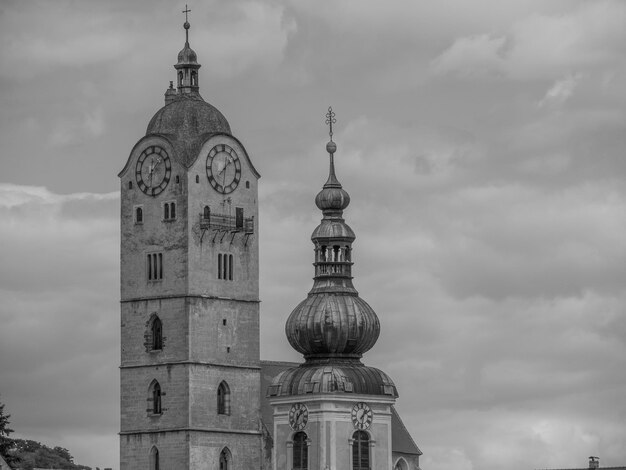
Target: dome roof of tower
<point>332,377</point>
<point>187,56</point>
<point>332,325</point>
<point>333,228</point>
<point>187,121</point>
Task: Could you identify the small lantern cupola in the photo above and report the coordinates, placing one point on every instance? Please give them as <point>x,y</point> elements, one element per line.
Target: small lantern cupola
<point>187,66</point>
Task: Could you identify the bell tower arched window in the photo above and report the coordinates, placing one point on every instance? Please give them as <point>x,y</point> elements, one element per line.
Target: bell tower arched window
<point>155,392</point>
<point>300,451</point>
<point>223,399</point>
<point>360,451</point>
<point>154,458</point>
<point>157,334</point>
<point>225,458</point>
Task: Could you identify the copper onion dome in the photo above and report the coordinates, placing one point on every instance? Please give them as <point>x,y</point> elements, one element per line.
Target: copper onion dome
<point>333,326</point>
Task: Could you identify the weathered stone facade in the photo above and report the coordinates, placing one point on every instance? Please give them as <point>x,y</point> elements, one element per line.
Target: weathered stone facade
<point>189,275</point>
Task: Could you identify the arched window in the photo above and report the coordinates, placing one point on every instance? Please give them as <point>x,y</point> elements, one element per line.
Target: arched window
<point>130,185</point>
<point>166,211</point>
<point>139,215</point>
<point>401,465</point>
<point>197,178</point>
<point>360,451</point>
<point>156,397</point>
<point>173,210</point>
<point>223,399</point>
<point>300,452</point>
<point>177,179</point>
<point>194,79</point>
<point>154,458</point>
<point>206,213</point>
<point>225,459</point>
<point>157,334</point>
<point>180,78</point>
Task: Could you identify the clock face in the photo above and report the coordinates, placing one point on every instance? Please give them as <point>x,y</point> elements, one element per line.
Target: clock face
<point>298,416</point>
<point>223,168</point>
<point>153,170</point>
<point>362,415</point>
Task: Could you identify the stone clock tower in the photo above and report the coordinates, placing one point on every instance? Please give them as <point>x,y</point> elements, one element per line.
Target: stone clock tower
<point>332,412</point>
<point>189,290</point>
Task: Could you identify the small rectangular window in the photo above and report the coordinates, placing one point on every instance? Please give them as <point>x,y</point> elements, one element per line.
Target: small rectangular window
<point>225,266</point>
<point>169,211</point>
<point>154,266</point>
<point>138,214</point>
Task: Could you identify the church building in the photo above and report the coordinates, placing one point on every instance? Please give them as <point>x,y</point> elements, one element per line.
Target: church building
<point>194,392</point>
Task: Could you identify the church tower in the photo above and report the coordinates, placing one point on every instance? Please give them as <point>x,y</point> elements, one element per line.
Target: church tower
<point>189,289</point>
<point>332,412</point>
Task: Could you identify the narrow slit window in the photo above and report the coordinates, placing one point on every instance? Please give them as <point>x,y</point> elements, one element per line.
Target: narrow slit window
<point>156,398</point>
<point>223,399</point>
<point>138,215</point>
<point>154,459</point>
<point>157,334</point>
<point>166,211</point>
<point>230,267</point>
<point>173,210</point>
<point>219,266</point>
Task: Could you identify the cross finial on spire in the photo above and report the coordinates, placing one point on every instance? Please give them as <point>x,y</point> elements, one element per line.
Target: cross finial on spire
<point>330,120</point>
<point>186,25</point>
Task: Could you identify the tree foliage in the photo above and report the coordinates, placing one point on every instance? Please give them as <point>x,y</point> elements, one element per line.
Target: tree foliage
<point>26,455</point>
<point>36,455</point>
<point>7,445</point>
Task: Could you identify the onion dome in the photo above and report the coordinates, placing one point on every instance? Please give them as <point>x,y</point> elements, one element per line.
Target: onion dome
<point>333,327</point>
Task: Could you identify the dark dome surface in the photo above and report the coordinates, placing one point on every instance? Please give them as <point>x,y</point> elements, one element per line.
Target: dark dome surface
<point>332,377</point>
<point>186,122</point>
<point>332,325</point>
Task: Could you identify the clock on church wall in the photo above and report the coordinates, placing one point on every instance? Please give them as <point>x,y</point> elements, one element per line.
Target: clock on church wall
<point>298,416</point>
<point>223,168</point>
<point>153,170</point>
<point>362,415</point>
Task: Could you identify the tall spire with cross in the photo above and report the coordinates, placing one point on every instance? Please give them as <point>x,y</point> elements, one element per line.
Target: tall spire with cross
<point>187,66</point>
<point>332,328</point>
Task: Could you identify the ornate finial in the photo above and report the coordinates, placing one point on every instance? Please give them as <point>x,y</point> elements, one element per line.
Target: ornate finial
<point>330,120</point>
<point>186,25</point>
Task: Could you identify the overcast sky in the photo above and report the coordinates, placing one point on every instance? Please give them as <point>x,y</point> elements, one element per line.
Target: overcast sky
<point>483,145</point>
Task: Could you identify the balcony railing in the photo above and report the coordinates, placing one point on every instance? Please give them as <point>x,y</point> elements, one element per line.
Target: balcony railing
<point>227,223</point>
